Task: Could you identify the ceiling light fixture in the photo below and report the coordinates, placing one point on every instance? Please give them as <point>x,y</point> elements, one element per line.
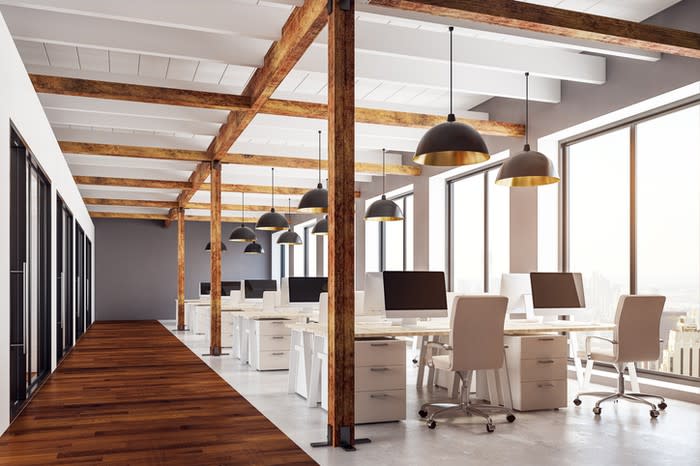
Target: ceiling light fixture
<point>272,221</point>
<point>384,210</point>
<point>321,227</point>
<point>290,237</point>
<point>528,168</point>
<point>451,143</point>
<point>242,234</point>
<point>253,248</point>
<point>316,200</point>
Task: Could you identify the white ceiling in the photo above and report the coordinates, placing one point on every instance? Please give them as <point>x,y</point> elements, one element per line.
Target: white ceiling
<point>215,45</point>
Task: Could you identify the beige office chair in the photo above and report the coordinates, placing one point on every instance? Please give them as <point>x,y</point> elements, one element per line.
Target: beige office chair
<point>476,343</point>
<point>635,339</point>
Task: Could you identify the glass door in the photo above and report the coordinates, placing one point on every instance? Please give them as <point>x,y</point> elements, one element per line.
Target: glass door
<point>64,278</point>
<point>30,255</point>
<point>79,281</point>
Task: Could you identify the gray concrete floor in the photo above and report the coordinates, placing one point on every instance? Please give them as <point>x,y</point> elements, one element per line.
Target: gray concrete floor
<point>623,435</point>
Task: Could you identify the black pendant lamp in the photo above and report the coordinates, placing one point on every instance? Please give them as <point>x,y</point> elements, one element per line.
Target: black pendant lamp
<point>290,237</point>
<point>528,168</point>
<point>207,248</point>
<point>451,143</point>
<point>272,221</point>
<point>321,227</point>
<point>384,210</point>
<point>242,234</point>
<point>316,200</point>
<point>253,248</point>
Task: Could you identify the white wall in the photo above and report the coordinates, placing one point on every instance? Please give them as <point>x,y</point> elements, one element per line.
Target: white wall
<point>20,105</point>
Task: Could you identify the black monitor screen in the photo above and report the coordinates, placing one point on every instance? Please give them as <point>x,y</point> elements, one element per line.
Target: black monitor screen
<point>226,288</point>
<point>557,290</point>
<point>254,288</point>
<point>307,289</point>
<point>414,291</point>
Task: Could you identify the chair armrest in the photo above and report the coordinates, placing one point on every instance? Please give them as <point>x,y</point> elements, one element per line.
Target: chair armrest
<point>591,337</point>
<point>439,345</point>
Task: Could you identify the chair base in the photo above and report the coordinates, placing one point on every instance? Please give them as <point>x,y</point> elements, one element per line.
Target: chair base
<point>620,394</point>
<point>465,406</point>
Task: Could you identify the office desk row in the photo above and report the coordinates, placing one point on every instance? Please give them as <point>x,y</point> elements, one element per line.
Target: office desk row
<point>536,363</point>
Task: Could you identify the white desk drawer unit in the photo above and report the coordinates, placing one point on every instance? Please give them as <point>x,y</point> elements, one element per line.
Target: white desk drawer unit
<point>270,344</point>
<point>537,369</point>
<point>380,380</point>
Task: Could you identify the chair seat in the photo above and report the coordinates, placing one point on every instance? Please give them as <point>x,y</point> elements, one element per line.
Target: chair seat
<point>442,362</point>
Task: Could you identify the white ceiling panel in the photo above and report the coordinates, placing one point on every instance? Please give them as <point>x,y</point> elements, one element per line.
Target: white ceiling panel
<point>153,67</point>
<point>32,53</point>
<point>182,69</point>
<point>208,72</point>
<point>63,56</point>
<point>123,62</point>
<point>93,59</point>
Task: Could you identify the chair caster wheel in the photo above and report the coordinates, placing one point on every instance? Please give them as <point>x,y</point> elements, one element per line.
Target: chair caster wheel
<point>423,413</point>
<point>510,418</point>
<point>577,402</point>
<point>414,361</point>
<point>597,411</point>
<point>431,424</point>
<point>490,428</point>
<point>654,413</point>
<point>662,406</point>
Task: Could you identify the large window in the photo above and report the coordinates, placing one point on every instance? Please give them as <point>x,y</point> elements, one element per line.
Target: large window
<point>478,232</point>
<point>306,256</point>
<point>631,223</point>
<point>389,245</point>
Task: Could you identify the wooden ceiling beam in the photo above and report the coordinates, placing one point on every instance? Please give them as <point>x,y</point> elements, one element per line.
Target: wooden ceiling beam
<point>299,31</point>
<point>290,108</point>
<point>137,93</point>
<point>168,184</point>
<point>161,217</point>
<point>83,148</point>
<point>172,204</point>
<point>557,21</point>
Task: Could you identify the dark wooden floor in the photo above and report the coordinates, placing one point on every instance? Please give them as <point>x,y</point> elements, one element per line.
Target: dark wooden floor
<point>131,393</point>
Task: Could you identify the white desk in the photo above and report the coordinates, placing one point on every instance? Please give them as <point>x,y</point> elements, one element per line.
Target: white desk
<point>316,388</point>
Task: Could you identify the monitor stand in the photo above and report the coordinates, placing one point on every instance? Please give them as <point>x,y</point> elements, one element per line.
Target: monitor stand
<point>409,322</point>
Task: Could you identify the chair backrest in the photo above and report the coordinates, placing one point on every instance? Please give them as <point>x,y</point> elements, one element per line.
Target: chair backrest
<point>323,308</point>
<point>476,332</point>
<point>637,322</point>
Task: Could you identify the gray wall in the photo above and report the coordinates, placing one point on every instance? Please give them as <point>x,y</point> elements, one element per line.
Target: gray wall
<point>136,266</point>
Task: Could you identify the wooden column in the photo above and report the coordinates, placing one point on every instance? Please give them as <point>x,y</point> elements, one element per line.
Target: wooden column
<point>215,293</point>
<point>181,268</point>
<point>341,258</point>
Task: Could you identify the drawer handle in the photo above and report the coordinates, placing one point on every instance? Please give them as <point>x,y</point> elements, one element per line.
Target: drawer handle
<point>545,361</point>
<point>545,385</point>
<point>546,339</point>
<point>278,338</point>
<point>379,395</point>
<point>379,369</point>
<point>278,354</point>
<point>379,344</point>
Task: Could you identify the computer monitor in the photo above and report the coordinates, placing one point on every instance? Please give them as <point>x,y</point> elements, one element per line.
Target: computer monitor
<point>306,289</point>
<point>254,289</point>
<point>557,290</point>
<point>410,295</point>
<point>226,288</point>
<point>516,287</point>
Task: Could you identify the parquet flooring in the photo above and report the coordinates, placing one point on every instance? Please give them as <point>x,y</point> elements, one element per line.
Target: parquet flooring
<point>132,393</point>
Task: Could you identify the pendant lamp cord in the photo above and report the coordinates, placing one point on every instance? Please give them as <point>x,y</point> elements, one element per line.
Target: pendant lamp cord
<point>383,172</point>
<point>527,109</point>
<point>451,116</point>
<point>319,157</point>
<point>242,209</point>
<point>273,190</point>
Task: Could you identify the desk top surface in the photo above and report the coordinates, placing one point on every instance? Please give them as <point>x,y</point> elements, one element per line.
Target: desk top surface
<point>375,329</point>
